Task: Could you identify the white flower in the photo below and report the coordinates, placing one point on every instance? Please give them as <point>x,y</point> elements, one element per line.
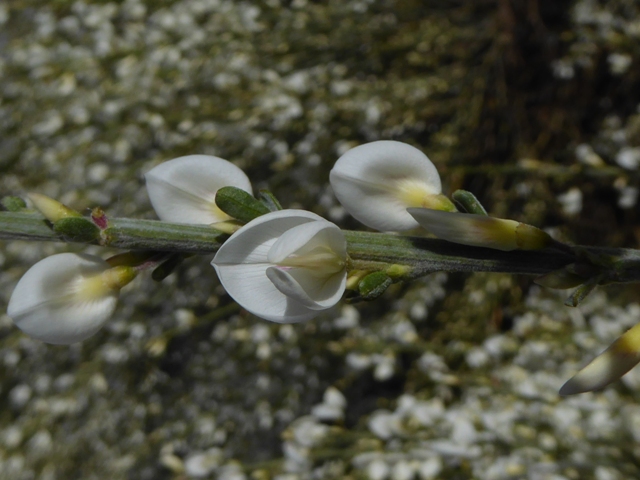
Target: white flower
<point>480,230</point>
<point>378,181</point>
<point>183,190</point>
<point>284,266</point>
<point>621,356</point>
<point>67,297</point>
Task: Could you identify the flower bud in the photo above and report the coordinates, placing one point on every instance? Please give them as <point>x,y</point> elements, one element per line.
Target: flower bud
<point>609,366</point>
<point>480,230</point>
<point>51,209</point>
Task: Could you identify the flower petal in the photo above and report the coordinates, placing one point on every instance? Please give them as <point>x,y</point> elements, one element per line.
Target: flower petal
<point>468,228</point>
<point>252,242</point>
<point>609,366</point>
<point>45,305</point>
<point>304,238</point>
<point>372,182</point>
<point>326,293</point>
<point>241,263</point>
<point>251,288</point>
<point>183,190</point>
<point>306,288</point>
<point>287,285</point>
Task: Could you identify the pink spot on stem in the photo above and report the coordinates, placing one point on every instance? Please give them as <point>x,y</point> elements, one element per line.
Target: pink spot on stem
<point>99,218</point>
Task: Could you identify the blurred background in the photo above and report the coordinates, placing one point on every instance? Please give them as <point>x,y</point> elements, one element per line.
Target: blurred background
<point>531,105</point>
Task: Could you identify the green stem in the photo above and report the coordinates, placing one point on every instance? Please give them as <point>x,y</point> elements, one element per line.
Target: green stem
<point>26,226</point>
<point>124,233</point>
<point>377,251</point>
<point>133,234</point>
<point>411,256</point>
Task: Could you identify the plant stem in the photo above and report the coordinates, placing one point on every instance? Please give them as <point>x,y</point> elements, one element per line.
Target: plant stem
<point>376,251</point>
<point>368,251</point>
<point>124,233</point>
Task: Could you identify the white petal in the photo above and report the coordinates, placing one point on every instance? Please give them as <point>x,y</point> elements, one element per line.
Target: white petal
<point>367,181</point>
<point>287,285</point>
<point>43,304</point>
<point>316,293</point>
<point>609,366</point>
<point>309,236</point>
<point>327,292</point>
<point>468,229</point>
<point>249,286</point>
<point>183,190</point>
<point>252,242</point>
<point>331,237</point>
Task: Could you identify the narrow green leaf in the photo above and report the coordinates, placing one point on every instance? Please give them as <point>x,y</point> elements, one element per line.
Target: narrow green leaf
<point>13,204</point>
<point>581,292</point>
<point>269,200</point>
<point>374,285</point>
<point>239,204</point>
<point>468,202</point>
<point>77,229</point>
<point>167,267</point>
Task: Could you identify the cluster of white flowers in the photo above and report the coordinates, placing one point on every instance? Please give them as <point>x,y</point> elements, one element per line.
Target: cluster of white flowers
<point>285,266</point>
<point>392,186</point>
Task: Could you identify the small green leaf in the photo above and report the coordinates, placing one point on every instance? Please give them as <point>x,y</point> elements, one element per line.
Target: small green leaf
<point>373,285</point>
<point>239,204</point>
<point>581,292</point>
<point>77,229</point>
<point>468,202</point>
<point>167,267</point>
<point>13,204</point>
<point>269,200</point>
